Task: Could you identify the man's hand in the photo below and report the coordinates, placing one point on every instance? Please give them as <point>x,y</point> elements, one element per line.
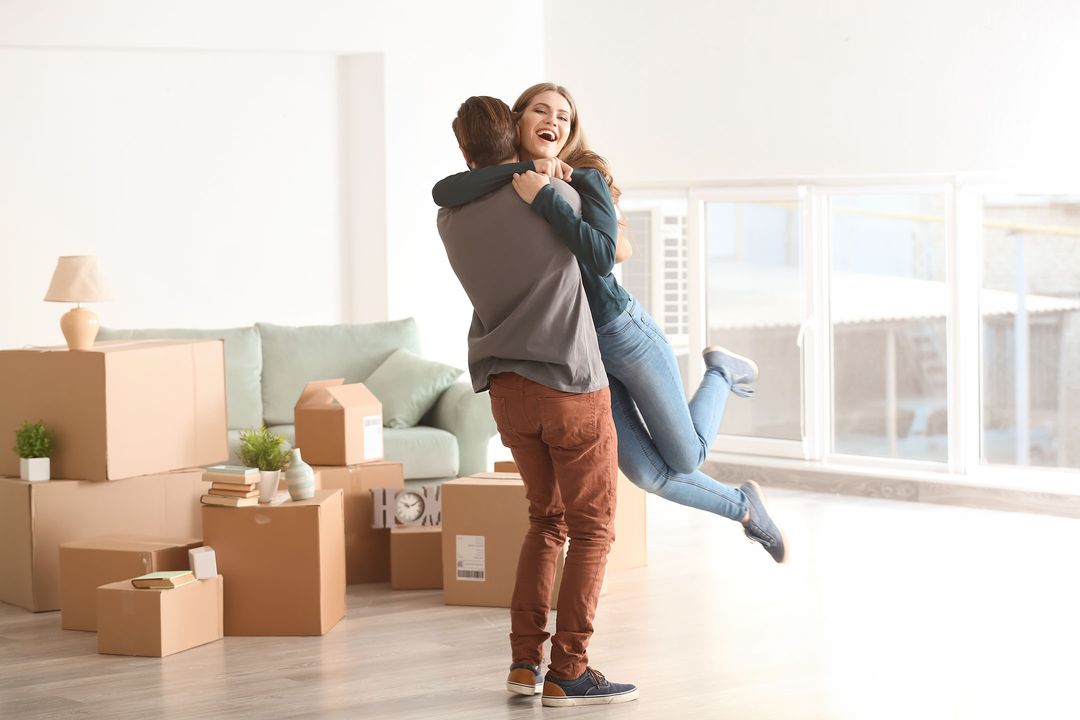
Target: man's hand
<point>528,184</point>
<point>554,167</point>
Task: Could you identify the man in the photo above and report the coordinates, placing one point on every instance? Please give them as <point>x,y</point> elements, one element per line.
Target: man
<point>533,344</point>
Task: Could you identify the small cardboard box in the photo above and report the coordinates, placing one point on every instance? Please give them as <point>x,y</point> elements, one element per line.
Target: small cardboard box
<point>120,410</point>
<point>485,518</point>
<point>338,424</point>
<point>630,549</point>
<point>285,564</point>
<point>156,623</point>
<point>416,558</point>
<point>37,517</point>
<point>86,565</point>
<point>367,549</point>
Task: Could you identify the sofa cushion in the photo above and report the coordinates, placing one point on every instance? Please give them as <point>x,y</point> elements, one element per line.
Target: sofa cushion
<point>425,452</point>
<point>294,356</point>
<point>407,385</point>
<point>243,365</point>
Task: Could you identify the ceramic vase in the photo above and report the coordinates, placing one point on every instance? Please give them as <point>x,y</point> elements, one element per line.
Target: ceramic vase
<point>268,482</point>
<point>34,469</point>
<point>300,477</point>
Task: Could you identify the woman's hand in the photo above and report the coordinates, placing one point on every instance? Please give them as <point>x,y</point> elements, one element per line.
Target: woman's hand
<point>553,167</point>
<point>527,185</point>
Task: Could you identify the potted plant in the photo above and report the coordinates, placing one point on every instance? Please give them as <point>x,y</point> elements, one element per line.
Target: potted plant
<point>33,445</point>
<point>267,451</point>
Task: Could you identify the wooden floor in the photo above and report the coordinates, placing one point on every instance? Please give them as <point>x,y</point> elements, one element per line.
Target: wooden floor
<point>886,610</point>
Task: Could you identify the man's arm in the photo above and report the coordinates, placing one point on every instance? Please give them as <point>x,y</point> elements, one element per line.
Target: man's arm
<point>590,236</point>
<point>470,185</point>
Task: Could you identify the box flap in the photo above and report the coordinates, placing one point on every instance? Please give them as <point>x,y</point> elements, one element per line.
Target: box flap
<point>353,395</point>
<point>315,393</point>
<point>16,543</point>
<point>135,543</point>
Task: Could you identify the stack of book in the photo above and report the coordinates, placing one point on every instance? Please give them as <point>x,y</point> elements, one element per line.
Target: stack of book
<point>231,485</point>
<point>166,580</point>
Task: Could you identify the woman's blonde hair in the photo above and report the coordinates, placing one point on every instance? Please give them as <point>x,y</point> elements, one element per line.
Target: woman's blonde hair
<point>576,152</point>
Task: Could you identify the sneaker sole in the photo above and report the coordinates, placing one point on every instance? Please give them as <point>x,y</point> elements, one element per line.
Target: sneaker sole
<point>737,356</point>
<point>627,696</point>
<point>520,689</point>
<point>765,504</point>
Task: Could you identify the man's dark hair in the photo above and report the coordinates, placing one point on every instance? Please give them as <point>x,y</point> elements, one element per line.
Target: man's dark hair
<point>485,130</point>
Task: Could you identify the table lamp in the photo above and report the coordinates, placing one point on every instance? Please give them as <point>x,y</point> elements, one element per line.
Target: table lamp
<point>77,279</point>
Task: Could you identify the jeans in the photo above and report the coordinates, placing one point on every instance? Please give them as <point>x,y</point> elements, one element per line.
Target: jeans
<point>564,447</point>
<point>663,440</point>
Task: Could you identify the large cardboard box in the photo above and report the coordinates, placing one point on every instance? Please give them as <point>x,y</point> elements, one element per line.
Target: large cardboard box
<point>485,518</point>
<point>121,409</point>
<point>86,565</point>
<point>630,549</point>
<point>285,565</point>
<point>156,623</point>
<point>367,549</point>
<point>416,558</point>
<point>338,424</point>
<point>37,517</point>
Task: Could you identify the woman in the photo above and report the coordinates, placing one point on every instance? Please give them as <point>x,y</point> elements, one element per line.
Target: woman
<point>662,439</point>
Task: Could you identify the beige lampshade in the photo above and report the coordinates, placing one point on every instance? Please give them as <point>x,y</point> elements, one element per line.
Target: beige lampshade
<point>77,279</point>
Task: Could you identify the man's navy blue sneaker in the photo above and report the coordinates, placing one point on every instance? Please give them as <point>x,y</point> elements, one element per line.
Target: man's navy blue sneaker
<point>592,688</point>
<point>741,372</point>
<point>760,527</point>
<point>525,679</point>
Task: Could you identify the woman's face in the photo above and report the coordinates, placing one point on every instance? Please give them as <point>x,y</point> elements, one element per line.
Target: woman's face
<point>544,126</point>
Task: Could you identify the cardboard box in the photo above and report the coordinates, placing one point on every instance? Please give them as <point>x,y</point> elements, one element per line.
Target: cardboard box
<point>86,565</point>
<point>285,565</point>
<point>157,623</point>
<point>485,518</point>
<point>120,410</point>
<point>338,424</point>
<point>367,549</point>
<point>37,517</point>
<point>630,549</point>
<point>416,558</point>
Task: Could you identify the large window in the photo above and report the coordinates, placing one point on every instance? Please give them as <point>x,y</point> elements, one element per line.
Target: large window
<point>913,327</point>
<point>754,307</point>
<point>1030,306</point>
<point>888,302</point>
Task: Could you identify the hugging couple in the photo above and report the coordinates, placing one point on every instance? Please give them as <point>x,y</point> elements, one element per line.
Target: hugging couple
<point>581,379</point>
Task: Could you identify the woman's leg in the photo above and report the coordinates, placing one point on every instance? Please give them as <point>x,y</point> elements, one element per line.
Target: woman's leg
<point>636,353</point>
<point>641,462</point>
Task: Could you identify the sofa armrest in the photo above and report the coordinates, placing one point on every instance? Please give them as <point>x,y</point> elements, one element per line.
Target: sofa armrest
<point>467,415</point>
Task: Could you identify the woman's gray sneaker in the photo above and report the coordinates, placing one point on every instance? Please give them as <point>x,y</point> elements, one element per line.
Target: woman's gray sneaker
<point>760,527</point>
<point>740,372</point>
<point>592,688</point>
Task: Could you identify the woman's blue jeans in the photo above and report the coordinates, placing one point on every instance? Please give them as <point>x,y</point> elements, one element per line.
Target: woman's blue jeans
<point>663,440</point>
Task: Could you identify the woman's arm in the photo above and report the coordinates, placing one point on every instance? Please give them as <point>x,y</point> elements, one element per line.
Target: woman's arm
<point>470,185</point>
<point>590,236</point>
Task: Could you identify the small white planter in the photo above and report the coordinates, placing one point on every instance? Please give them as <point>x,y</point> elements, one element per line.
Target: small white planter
<point>34,469</point>
<point>268,484</point>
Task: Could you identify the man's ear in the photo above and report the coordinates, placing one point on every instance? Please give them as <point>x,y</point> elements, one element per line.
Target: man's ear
<point>465,154</point>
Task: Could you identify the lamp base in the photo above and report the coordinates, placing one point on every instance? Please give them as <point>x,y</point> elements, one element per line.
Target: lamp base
<point>80,327</point>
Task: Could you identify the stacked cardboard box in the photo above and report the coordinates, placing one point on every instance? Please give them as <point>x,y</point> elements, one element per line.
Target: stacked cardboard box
<point>367,549</point>
<point>285,565</point>
<point>157,623</point>
<point>85,565</point>
<point>338,424</point>
<point>37,517</point>
<point>416,558</point>
<point>129,412</point>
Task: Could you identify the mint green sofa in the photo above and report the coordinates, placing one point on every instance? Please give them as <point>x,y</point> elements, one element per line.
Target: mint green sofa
<point>266,367</point>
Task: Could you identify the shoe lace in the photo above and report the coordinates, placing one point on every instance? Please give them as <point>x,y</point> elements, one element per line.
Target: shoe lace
<point>597,676</point>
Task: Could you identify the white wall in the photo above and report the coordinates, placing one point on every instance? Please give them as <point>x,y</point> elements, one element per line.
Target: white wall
<point>206,184</point>
<point>434,55</point>
<point>687,90</point>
